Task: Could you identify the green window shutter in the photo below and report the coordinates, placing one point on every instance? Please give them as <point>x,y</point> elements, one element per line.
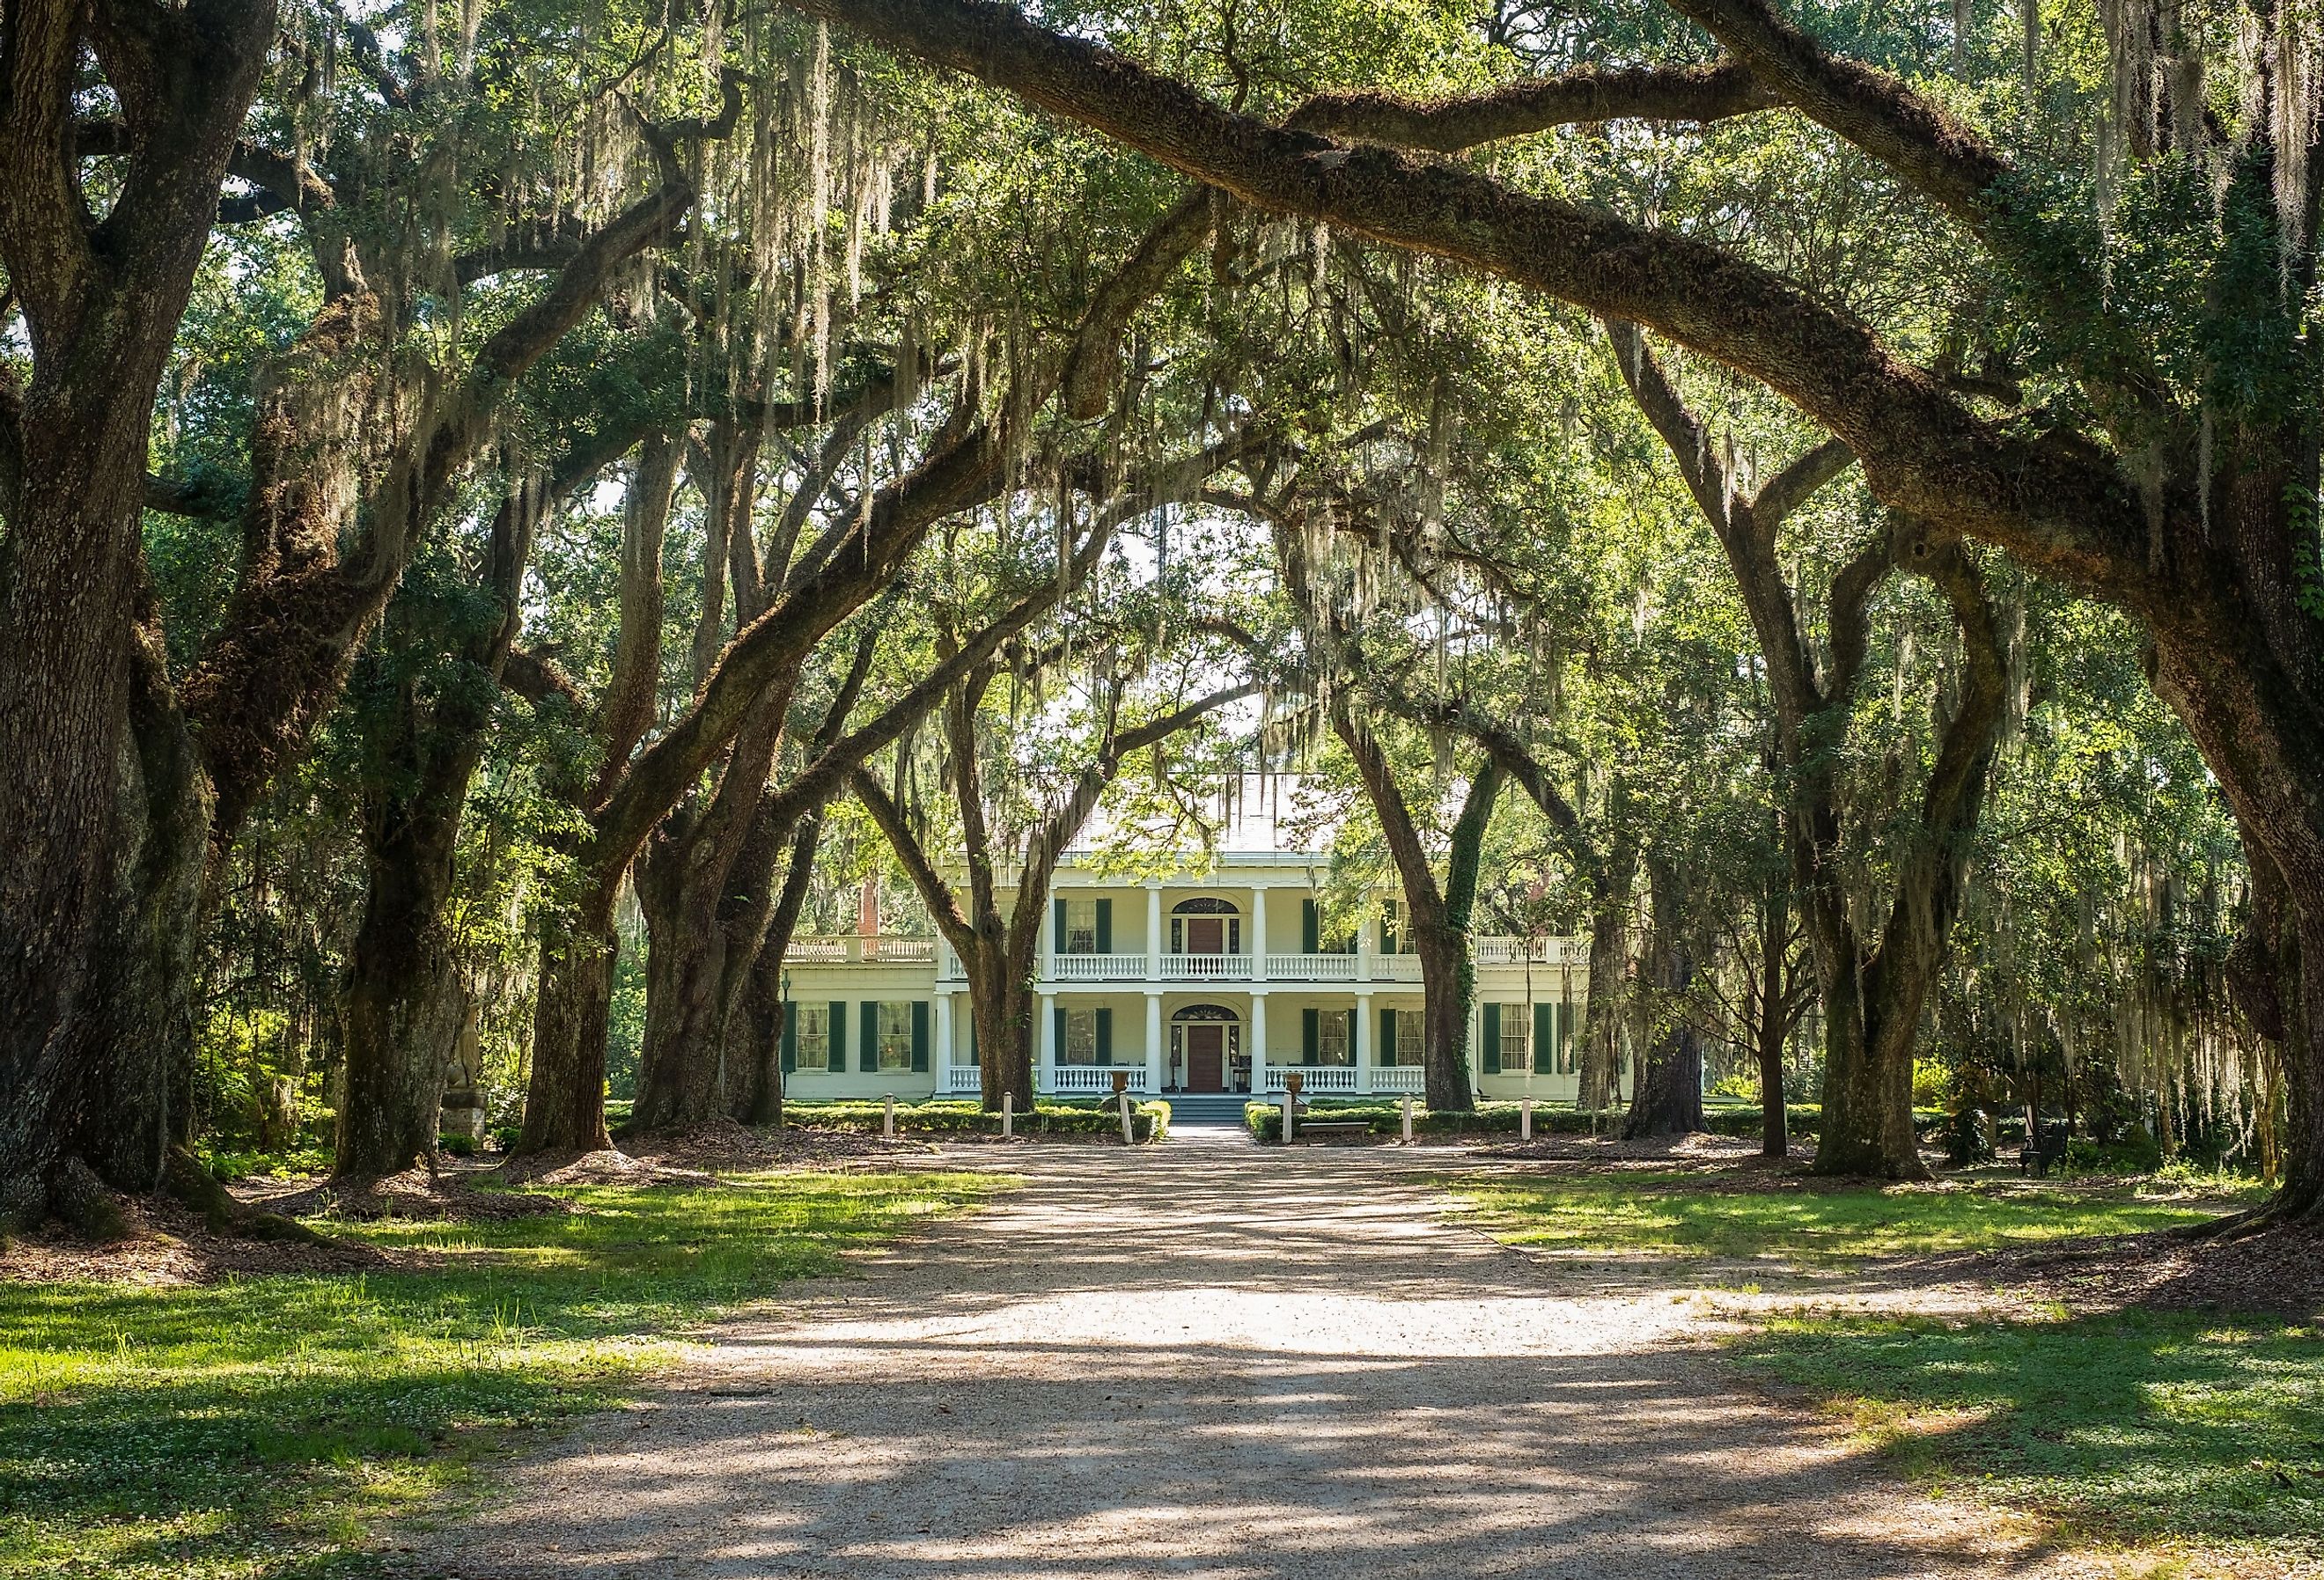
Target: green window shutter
<point>1057,1035</point>
<point>867,1052</point>
<point>1385,1053</point>
<point>1310,1035</point>
<point>790,1036</point>
<point>1057,925</point>
<point>835,1037</point>
<point>1492,1040</point>
<point>1545,1038</point>
<point>1104,928</point>
<point>1310,928</point>
<point>919,1034</point>
<point>1104,1032</point>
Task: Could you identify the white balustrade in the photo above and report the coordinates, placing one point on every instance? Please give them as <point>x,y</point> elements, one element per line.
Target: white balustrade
<point>1090,1080</point>
<point>1325,1079</point>
<point>1396,967</point>
<point>964,1080</point>
<point>1313,967</point>
<point>1205,967</point>
<point>1099,967</point>
<point>856,949</point>
<point>1398,1079</point>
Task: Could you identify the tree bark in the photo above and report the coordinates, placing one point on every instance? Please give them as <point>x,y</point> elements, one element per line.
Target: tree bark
<point>1609,958</point>
<point>564,1099</point>
<point>100,327</point>
<point>1668,1099</point>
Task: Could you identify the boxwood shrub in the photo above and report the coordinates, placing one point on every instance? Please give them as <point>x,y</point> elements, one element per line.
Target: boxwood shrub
<point>1149,1121</point>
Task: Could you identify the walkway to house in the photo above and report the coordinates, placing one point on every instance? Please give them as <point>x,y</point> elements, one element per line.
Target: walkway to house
<point>1222,1361</point>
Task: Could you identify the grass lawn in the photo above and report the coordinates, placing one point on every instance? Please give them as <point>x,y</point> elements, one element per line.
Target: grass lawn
<point>1689,1216</point>
<point>2197,1438</point>
<point>259,1427</point>
<point>2175,1429</point>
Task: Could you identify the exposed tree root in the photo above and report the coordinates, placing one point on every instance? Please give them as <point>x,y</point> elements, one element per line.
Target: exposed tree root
<point>184,1177</point>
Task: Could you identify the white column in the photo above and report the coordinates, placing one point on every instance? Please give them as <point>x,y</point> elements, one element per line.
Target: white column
<point>1154,1042</point>
<point>1154,931</point>
<point>1365,938</point>
<point>1050,936</point>
<point>943,1009</point>
<point>1045,1078</point>
<point>1257,934</point>
<point>1258,1048</point>
<point>1363,1043</point>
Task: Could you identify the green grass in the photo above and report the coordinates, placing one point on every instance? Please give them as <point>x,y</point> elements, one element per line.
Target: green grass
<point>2165,1428</point>
<point>1675,1214</point>
<point>259,1427</point>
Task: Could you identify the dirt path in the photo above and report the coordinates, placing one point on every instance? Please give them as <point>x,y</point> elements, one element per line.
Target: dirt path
<point>1219,1361</point>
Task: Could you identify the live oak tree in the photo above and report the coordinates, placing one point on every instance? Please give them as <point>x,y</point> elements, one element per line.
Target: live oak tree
<point>2175,472</point>
<point>360,434</point>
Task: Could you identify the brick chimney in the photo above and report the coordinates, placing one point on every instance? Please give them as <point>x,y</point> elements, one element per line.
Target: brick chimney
<point>867,910</point>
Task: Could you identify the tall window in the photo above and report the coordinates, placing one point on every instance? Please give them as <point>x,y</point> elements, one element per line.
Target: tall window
<point>813,1022</point>
<point>1334,1043</point>
<point>1081,927</point>
<point>896,1036</point>
<point>1081,1038</point>
<point>1410,1038</point>
<point>1517,1038</point>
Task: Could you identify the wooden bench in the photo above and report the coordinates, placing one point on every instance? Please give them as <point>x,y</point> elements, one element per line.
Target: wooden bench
<point>1333,1130</point>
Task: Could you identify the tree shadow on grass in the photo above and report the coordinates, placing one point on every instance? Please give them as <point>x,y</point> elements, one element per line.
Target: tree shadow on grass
<point>2134,1425</point>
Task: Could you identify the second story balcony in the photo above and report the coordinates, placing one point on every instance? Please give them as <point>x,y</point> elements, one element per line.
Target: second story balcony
<point>1091,967</point>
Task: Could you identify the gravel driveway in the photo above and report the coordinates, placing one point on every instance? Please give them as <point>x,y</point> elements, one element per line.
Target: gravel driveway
<point>1213,1359</point>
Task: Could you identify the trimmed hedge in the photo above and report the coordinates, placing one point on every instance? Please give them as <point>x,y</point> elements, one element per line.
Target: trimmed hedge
<point>1149,1121</point>
<point>1265,1119</point>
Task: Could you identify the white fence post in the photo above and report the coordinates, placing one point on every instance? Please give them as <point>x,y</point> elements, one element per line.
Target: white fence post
<point>887,1118</point>
<point>1407,1119</point>
<point>1008,1114</point>
<point>1525,1119</point>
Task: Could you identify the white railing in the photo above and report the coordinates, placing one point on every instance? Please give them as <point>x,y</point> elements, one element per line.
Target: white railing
<point>963,1080</point>
<point>1097,967</point>
<point>1312,967</point>
<point>948,967</point>
<point>1083,1080</point>
<point>1397,1079</point>
<point>857,950</point>
<point>1395,968</point>
<point>1205,967</point>
<point>1333,1079</point>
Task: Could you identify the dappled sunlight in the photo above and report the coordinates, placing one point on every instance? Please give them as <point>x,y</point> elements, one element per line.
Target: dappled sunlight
<point>1233,1363</point>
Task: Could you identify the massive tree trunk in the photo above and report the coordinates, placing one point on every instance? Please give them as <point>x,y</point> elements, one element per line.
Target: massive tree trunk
<point>564,1099</point>
<point>756,1011</point>
<point>1448,987</point>
<point>1668,1098</point>
<point>1002,1006</point>
<point>405,1004</point>
<point>100,326</point>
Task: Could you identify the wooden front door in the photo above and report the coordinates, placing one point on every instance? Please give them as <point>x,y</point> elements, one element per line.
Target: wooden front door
<point>1206,1058</point>
<point>1206,935</point>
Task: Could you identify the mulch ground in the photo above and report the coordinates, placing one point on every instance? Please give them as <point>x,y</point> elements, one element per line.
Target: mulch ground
<point>2279,1271</point>
<point>170,1246</point>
